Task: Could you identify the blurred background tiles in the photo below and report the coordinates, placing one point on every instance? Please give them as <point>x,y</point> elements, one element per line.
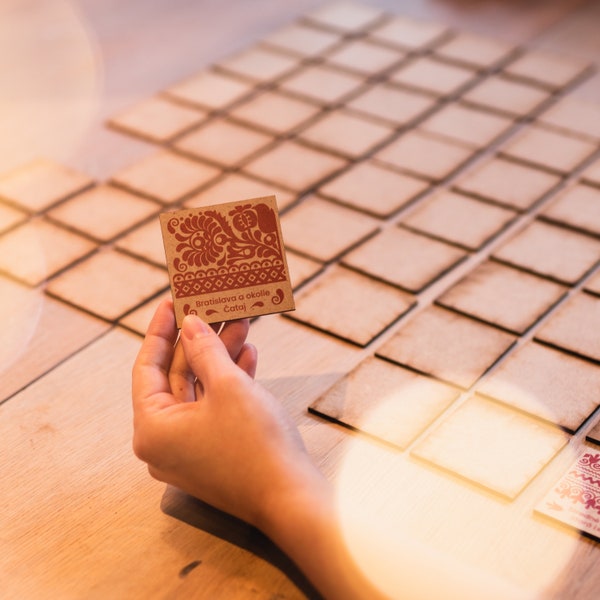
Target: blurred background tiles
<point>145,241</point>
<point>578,207</point>
<point>475,51</point>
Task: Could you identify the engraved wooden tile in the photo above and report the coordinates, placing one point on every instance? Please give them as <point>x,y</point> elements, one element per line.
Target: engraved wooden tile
<point>109,284</point>
<point>475,50</point>
<point>574,326</point>
<point>503,296</point>
<point>310,166</point>
<point>546,383</point>
<point>165,176</point>
<point>157,119</point>
<point>508,183</point>
<point>139,319</point>
<point>145,241</point>
<point>592,173</point>
<point>374,189</point>
<point>459,219</point>
<point>259,64</point>
<point>346,16</point>
<point>467,125</point>
<point>323,230</point>
<point>346,134</point>
<point>38,249</point>
<point>103,211</point>
<point>303,40</point>
<point>341,302</point>
<point>492,445</point>
<point>404,258</point>
<point>364,57</point>
<point>10,216</point>
<point>40,184</point>
<point>301,268</point>
<point>447,345</point>
<point>425,155</point>
<point>223,142</point>
<point>409,33</point>
<point>574,116</point>
<point>386,401</point>
<point>549,149</point>
<point>555,252</point>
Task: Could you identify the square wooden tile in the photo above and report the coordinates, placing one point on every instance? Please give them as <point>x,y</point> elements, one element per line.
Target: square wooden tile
<point>447,345</point>
<point>425,155</point>
<point>340,302</point>
<point>508,183</point>
<point>593,284</point>
<point>574,326</point>
<point>549,149</point>
<point>574,116</point>
<point>364,57</point>
<point>103,212</point>
<point>146,242</point>
<point>592,173</point>
<point>324,230</point>
<point>259,64</point>
<point>36,250</point>
<point>346,16</point>
<point>403,258</point>
<point>223,142</point>
<point>411,34</point>
<point>474,50</point>
<point>503,296</point>
<point>385,401</point>
<point>302,40</point>
<point>301,268</point>
<point>374,189</point>
<point>309,166</point>
<point>492,445</point>
<point>157,119</point>
<point>346,134</point>
<point>546,383</point>
<point>109,284</point>
<point>139,319</point>
<point>40,184</point>
<point>555,252</point>
<point>459,219</point>
<point>165,176</point>
<point>10,216</point>
<point>594,433</point>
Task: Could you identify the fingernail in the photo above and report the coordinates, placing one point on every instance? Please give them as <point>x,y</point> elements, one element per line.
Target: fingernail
<point>192,326</point>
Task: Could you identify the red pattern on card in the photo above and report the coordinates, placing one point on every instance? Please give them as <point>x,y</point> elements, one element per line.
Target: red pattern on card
<point>582,485</point>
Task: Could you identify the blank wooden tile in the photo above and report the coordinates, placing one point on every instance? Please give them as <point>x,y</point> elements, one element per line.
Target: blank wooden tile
<point>223,142</point>
<point>10,216</point>
<point>309,166</point>
<point>374,189</point>
<point>425,155</point>
<point>386,401</point>
<point>593,284</point>
<point>165,176</point>
<point>109,284</point>
<point>475,50</point>
<point>403,258</point>
<point>508,183</point>
<point>104,211</point>
<point>546,383</point>
<point>259,64</point>
<point>574,326</point>
<point>503,296</point>
<point>492,445</point>
<point>302,40</point>
<point>146,242</point>
<point>323,230</point>
<point>139,319</point>
<point>37,250</point>
<point>594,433</point>
<point>459,219</point>
<point>364,57</point>
<point>157,119</point>
<point>341,302</point>
<point>301,268</point>
<point>409,33</point>
<point>346,16</point>
<point>549,149</point>
<point>447,345</point>
<point>574,116</point>
<point>592,173</point>
<point>40,184</point>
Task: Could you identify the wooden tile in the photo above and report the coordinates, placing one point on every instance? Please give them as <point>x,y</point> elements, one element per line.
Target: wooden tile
<point>10,216</point>
<point>594,433</point>
<point>364,57</point>
<point>492,445</point>
<point>323,230</point>
<point>592,173</point>
<point>346,16</point>
<point>409,33</point>
<point>546,383</point>
<point>555,252</point>
<point>508,183</point>
<point>391,104</point>
<point>40,184</point>
<point>475,50</point>
<point>36,250</point>
<point>139,319</point>
<point>574,326</point>
<point>210,90</point>
<point>223,142</point>
<point>403,258</point>
<point>503,296</point>
<point>593,284</point>
<point>341,302</point>
<point>549,149</point>
<point>259,64</point>
<point>165,176</point>
<point>447,345</point>
<point>425,155</point>
<point>146,242</point>
<point>302,40</point>
<point>467,125</point>
<point>346,134</point>
<point>310,166</point>
<point>374,189</point>
<point>301,268</point>
<point>574,116</point>
<point>386,401</point>
<point>109,284</point>
<point>157,119</point>
<point>104,211</point>
<point>459,219</point>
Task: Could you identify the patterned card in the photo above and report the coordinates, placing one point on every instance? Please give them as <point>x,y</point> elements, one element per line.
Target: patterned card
<point>575,499</point>
<point>227,261</point>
